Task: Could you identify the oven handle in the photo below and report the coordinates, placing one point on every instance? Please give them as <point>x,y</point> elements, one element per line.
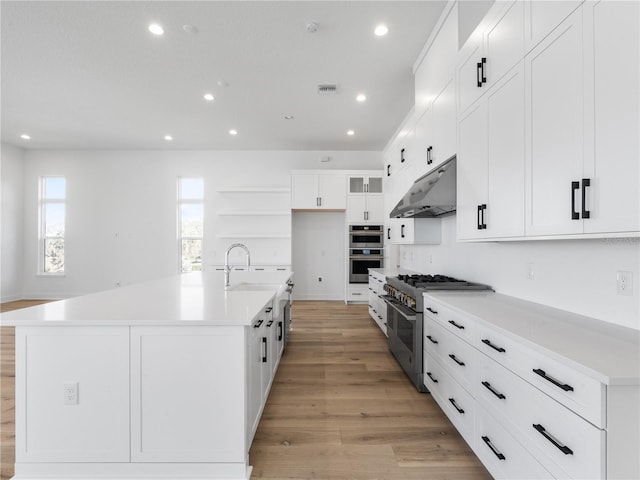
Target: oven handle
<point>410,318</point>
<point>366,257</point>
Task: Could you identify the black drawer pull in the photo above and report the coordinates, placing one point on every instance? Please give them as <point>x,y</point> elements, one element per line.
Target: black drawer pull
<point>279,331</point>
<point>461,327</point>
<point>486,341</point>
<point>268,310</point>
<point>258,323</point>
<point>453,402</point>
<point>493,449</point>
<point>543,374</point>
<point>493,390</point>
<point>435,312</point>
<point>453,357</point>
<point>432,340</point>
<point>431,377</point>
<point>563,448</point>
<point>264,342</point>
<point>269,323</point>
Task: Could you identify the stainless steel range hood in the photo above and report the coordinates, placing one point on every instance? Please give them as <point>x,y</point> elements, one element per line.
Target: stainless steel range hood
<point>432,195</point>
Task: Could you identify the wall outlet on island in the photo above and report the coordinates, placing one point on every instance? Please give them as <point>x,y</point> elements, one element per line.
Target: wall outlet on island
<point>71,393</point>
<point>531,271</point>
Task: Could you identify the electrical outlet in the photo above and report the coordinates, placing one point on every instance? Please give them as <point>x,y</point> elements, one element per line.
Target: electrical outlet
<point>71,393</point>
<point>531,271</point>
<point>624,283</point>
<point>319,279</point>
<point>430,258</point>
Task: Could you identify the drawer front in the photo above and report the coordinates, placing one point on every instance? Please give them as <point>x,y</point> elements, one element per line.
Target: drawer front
<point>457,356</point>
<point>578,392</point>
<point>459,324</point>
<point>566,444</point>
<point>501,453</point>
<point>453,399</point>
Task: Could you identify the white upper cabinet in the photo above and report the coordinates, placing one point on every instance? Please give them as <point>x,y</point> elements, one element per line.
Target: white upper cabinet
<point>555,136</point>
<point>543,16</point>
<point>612,113</point>
<point>365,202</point>
<point>318,191</point>
<point>491,51</point>
<point>490,163</point>
<point>365,184</point>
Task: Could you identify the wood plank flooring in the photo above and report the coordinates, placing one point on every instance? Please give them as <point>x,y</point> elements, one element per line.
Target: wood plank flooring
<point>340,408</point>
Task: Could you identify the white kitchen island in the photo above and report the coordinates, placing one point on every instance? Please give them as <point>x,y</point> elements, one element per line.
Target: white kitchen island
<point>165,379</point>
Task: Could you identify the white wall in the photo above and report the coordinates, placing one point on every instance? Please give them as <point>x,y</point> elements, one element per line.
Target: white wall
<point>574,275</point>
<point>11,238</point>
<point>319,252</point>
<point>121,207</point>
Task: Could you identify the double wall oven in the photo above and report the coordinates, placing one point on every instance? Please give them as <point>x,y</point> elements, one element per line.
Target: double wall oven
<point>365,251</point>
<point>405,319</point>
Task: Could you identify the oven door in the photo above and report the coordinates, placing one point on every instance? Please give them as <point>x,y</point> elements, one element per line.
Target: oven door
<point>404,328</point>
<point>359,266</point>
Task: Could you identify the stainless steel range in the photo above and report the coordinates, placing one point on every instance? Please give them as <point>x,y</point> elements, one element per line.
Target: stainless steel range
<point>404,317</point>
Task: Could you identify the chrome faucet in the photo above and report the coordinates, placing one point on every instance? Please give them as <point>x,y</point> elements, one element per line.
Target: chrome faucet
<point>227,268</point>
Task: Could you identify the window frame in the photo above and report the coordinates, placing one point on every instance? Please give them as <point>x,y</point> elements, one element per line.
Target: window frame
<point>180,238</point>
<point>43,202</point>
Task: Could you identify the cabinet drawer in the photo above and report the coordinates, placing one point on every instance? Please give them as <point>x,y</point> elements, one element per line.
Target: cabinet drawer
<point>564,443</point>
<point>453,399</point>
<point>501,453</point>
<point>578,392</point>
<point>459,324</point>
<point>460,358</point>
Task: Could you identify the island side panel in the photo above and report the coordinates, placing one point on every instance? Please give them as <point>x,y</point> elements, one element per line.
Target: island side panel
<point>188,394</point>
<point>93,426</point>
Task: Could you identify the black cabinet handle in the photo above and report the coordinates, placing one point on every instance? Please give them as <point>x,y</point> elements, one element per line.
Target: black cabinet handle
<point>478,74</point>
<point>459,362</point>
<point>431,377</point>
<point>402,155</point>
<point>435,312</point>
<point>264,343</point>
<point>453,402</point>
<point>258,323</point>
<point>574,186</point>
<point>268,310</point>
<point>269,323</point>
<point>563,448</point>
<point>483,62</point>
<point>493,449</point>
<point>483,225</point>
<point>432,340</point>
<point>388,170</point>
<point>460,327</point>
<point>493,390</point>
<point>402,231</point>
<point>543,374</point>
<point>586,182</point>
<point>389,233</point>
<point>479,214</point>
<point>486,341</point>
<point>280,331</point>
<point>429,159</point>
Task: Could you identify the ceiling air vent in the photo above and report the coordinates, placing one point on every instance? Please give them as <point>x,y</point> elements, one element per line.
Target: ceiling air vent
<point>327,89</point>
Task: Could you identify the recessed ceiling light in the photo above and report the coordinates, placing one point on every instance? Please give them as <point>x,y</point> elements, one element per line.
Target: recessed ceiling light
<point>289,117</point>
<point>350,132</point>
<point>208,97</point>
<point>24,136</point>
<point>381,30</point>
<point>156,29</point>
<point>168,138</point>
<point>233,132</point>
<point>361,97</point>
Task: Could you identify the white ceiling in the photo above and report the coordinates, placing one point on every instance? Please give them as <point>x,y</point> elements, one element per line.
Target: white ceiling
<point>89,75</point>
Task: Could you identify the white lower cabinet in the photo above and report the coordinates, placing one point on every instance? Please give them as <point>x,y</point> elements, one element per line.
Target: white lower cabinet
<point>377,306</point>
<point>528,411</point>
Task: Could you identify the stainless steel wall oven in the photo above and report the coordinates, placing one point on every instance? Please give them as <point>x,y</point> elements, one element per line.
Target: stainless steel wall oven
<point>361,260</point>
<point>366,236</point>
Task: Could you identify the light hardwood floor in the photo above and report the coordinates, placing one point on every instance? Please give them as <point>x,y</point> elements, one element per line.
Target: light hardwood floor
<point>340,408</point>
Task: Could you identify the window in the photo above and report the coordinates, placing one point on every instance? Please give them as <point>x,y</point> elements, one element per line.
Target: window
<point>190,223</point>
<point>52,225</point>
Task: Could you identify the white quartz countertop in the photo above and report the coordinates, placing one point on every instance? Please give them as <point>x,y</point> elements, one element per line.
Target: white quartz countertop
<point>392,271</point>
<point>608,352</point>
<point>188,299</point>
